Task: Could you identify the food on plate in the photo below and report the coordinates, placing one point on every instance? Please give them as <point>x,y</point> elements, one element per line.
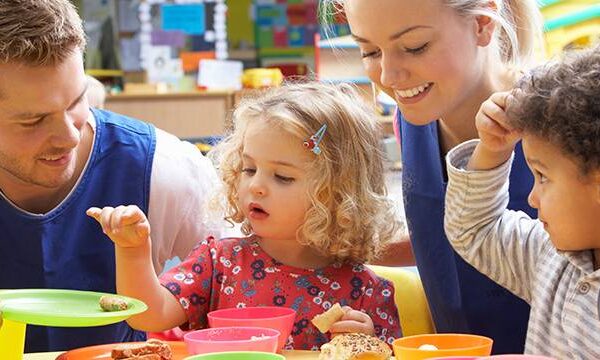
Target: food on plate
<point>150,350</point>
<point>113,303</point>
<point>324,321</point>
<point>355,346</point>
<point>428,347</point>
<point>259,337</point>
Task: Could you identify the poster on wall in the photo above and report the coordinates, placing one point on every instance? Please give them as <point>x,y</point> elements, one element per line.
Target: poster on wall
<point>192,30</point>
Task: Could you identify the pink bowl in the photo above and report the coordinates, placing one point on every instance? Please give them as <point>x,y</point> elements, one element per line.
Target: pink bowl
<point>274,317</point>
<point>517,357</point>
<point>232,339</point>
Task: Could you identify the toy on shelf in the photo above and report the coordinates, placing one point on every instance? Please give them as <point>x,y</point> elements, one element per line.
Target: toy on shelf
<point>261,77</point>
<point>570,23</point>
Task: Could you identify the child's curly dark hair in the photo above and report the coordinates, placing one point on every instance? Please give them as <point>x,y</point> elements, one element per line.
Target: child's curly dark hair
<point>560,102</point>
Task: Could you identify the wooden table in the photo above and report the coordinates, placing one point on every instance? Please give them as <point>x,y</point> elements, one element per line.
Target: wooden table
<point>289,355</point>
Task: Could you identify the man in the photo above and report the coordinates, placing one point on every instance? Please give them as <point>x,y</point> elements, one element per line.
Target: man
<point>58,157</point>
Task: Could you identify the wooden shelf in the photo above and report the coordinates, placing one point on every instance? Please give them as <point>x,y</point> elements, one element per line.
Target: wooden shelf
<point>104,73</point>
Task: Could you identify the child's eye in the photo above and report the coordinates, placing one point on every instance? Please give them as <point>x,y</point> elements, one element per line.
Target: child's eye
<point>285,179</point>
<point>541,177</point>
<point>418,50</point>
<point>249,171</point>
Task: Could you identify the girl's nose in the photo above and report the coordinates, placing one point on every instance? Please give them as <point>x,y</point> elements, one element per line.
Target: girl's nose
<point>257,187</point>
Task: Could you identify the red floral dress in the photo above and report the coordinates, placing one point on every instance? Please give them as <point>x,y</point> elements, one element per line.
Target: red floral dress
<point>236,272</point>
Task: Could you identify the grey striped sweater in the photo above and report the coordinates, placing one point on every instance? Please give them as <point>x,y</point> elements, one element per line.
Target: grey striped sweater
<point>515,251</point>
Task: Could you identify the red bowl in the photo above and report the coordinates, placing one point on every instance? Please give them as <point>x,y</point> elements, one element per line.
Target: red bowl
<point>273,317</point>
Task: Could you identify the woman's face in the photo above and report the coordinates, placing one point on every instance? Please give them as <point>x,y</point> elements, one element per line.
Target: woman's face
<point>422,53</point>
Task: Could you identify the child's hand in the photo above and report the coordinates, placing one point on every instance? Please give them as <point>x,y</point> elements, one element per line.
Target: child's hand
<point>492,124</point>
<point>353,321</point>
<point>127,226</point>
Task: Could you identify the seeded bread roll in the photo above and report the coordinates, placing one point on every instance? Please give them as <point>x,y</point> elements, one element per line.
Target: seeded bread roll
<point>324,321</point>
<point>160,350</point>
<point>355,346</point>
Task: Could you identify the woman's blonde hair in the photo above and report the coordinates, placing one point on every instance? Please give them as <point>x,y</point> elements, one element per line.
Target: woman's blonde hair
<point>350,217</point>
<point>520,25</point>
<point>39,32</point>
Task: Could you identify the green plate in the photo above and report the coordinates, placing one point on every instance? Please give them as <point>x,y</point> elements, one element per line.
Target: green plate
<point>65,308</point>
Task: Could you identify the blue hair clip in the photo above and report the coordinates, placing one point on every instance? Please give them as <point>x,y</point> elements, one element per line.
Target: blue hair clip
<point>312,143</point>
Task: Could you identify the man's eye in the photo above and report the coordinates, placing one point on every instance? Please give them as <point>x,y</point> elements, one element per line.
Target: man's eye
<point>32,123</point>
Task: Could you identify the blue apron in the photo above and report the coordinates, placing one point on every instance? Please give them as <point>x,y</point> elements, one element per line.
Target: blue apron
<point>461,299</point>
<point>66,249</point>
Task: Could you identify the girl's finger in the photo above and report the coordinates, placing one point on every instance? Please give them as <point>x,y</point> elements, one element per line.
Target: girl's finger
<point>345,326</point>
<point>116,219</point>
<point>132,215</point>
<point>105,216</point>
<point>94,212</point>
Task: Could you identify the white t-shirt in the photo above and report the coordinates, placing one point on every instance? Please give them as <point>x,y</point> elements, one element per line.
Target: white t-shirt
<point>181,184</point>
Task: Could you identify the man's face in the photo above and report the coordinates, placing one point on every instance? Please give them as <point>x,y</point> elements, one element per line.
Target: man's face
<point>42,113</point>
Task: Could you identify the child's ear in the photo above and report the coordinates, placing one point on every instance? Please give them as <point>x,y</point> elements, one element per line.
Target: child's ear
<point>486,26</point>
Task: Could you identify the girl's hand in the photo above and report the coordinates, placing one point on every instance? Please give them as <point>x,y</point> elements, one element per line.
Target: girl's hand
<point>127,226</point>
<point>492,124</point>
<point>353,321</point>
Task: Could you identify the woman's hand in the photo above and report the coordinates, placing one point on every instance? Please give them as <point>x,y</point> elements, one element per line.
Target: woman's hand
<point>127,226</point>
<point>353,321</point>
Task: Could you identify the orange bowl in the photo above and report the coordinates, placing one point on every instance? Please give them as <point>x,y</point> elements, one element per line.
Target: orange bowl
<point>407,348</point>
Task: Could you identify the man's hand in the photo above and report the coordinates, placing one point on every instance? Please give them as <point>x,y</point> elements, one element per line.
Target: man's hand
<point>353,321</point>
<point>127,226</point>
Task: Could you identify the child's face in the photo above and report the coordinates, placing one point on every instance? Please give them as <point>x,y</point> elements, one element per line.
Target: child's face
<point>568,204</point>
<point>273,191</point>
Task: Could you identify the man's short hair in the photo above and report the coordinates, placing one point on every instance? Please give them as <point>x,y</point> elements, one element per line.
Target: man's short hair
<point>39,32</point>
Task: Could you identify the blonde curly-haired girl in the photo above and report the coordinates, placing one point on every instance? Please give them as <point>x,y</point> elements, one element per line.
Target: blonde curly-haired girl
<point>303,173</point>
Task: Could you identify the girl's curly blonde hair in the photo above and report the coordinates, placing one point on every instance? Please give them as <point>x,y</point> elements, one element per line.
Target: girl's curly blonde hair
<point>350,217</point>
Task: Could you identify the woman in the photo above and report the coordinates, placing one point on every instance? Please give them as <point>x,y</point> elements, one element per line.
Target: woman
<point>440,59</point>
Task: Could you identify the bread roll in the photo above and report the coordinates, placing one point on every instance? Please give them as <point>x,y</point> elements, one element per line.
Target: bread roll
<point>324,321</point>
<point>161,350</point>
<point>355,346</point>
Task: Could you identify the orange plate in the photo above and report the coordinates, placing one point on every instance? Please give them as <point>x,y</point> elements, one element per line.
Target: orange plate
<point>102,352</point>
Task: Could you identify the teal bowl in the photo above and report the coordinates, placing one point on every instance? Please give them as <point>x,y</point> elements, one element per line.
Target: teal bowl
<point>237,355</point>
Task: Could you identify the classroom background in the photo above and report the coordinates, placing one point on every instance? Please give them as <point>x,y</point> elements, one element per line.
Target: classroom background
<point>183,65</point>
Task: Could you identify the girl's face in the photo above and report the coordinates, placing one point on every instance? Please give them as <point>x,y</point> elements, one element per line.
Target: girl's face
<point>422,53</point>
<point>273,189</point>
<point>568,205</point>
